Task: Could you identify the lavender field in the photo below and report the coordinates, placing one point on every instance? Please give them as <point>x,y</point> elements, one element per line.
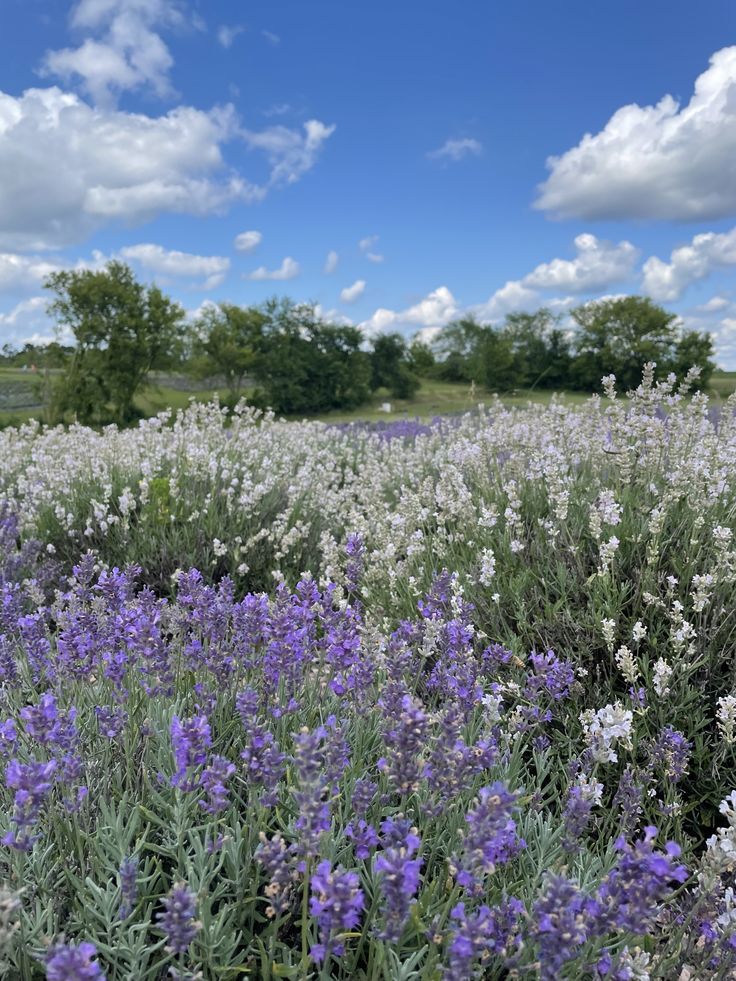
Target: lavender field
<point>437,701</point>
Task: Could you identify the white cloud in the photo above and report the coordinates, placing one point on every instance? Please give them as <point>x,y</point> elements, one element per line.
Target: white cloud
<point>248,241</point>
<point>511,297</point>
<point>67,168</point>
<point>28,321</point>
<point>290,153</point>
<point>598,264</point>
<point>688,263</point>
<point>21,273</point>
<point>714,305</point>
<point>366,244</point>
<point>351,293</point>
<point>457,149</point>
<point>127,53</point>
<point>271,37</point>
<point>663,161</point>
<point>333,316</point>
<point>226,35</point>
<point>172,263</point>
<point>288,269</point>
<point>331,261</point>
<point>436,309</point>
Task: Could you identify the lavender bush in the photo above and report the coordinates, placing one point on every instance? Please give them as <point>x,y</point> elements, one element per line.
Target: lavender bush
<point>280,700</point>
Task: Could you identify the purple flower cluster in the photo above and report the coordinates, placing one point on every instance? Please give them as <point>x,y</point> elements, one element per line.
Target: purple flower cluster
<point>32,783</point>
<point>190,739</point>
<point>406,726</point>
<point>480,936</point>
<point>490,838</point>
<point>178,919</point>
<point>336,903</point>
<point>398,871</point>
<point>128,875</point>
<point>71,962</point>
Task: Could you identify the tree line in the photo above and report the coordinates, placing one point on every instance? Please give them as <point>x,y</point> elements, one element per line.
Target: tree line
<point>287,357</point>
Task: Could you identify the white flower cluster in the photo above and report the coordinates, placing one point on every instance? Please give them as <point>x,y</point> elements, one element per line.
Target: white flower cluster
<point>607,728</point>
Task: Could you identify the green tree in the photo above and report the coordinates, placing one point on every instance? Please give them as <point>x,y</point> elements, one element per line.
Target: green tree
<point>122,330</point>
<point>391,366</point>
<point>460,354</point>
<point>529,335</point>
<point>305,365</point>
<point>226,341</point>
<point>421,358</point>
<point>619,336</point>
<point>694,348</point>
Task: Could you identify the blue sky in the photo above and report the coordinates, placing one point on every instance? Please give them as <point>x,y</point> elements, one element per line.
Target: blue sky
<point>399,164</point>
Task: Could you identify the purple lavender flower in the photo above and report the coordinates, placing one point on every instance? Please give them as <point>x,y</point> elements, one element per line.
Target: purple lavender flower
<point>32,783</point>
<point>671,753</point>
<point>69,962</point>
<point>629,799</point>
<point>128,886</point>
<point>8,736</point>
<point>336,903</point>
<point>564,919</point>
<point>405,732</point>
<point>576,817</point>
<point>480,936</point>
<point>550,675</point>
<point>312,795</point>
<point>355,551</point>
<point>280,862</point>
<point>45,724</point>
<point>213,782</point>
<point>362,796</point>
<point>490,839</point>
<point>111,721</point>
<point>363,836</point>
<point>642,877</point>
<point>190,739</point>
<point>399,872</point>
<point>178,920</point>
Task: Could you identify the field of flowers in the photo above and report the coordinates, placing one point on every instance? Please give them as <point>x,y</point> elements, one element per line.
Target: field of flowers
<point>411,701</point>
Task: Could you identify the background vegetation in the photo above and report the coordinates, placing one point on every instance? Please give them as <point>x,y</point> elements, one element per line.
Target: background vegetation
<point>134,353</point>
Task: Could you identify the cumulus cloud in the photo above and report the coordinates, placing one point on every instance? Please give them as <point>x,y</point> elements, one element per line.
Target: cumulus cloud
<point>597,264</point>
<point>715,304</point>
<point>663,161</point>
<point>331,261</point>
<point>248,241</point>
<point>28,321</point>
<point>351,293</point>
<point>165,262</point>
<point>226,35</point>
<point>67,168</point>
<point>23,273</point>
<point>457,150</point>
<point>435,310</point>
<point>125,52</point>
<point>290,152</point>
<point>288,269</point>
<point>688,263</point>
<point>511,297</point>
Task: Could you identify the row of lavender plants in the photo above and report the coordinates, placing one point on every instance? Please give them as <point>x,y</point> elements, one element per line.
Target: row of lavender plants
<point>442,702</point>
